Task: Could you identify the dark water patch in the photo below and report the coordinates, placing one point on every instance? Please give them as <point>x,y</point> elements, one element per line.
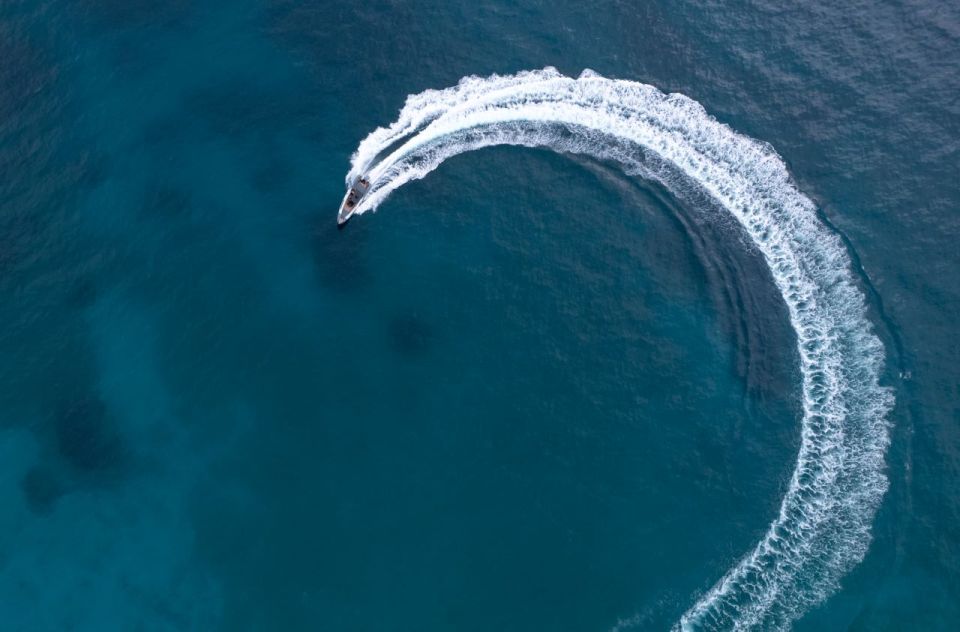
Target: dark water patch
<point>129,59</point>
<point>166,130</point>
<point>20,230</point>
<point>42,488</point>
<point>29,105</point>
<point>271,176</point>
<point>82,294</point>
<point>139,13</point>
<point>338,255</point>
<point>41,172</point>
<point>26,70</point>
<point>240,108</point>
<point>410,335</point>
<point>92,170</point>
<point>86,437</point>
<point>412,49</point>
<point>163,201</point>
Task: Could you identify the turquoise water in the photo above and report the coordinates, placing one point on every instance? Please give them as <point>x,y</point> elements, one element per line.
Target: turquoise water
<point>528,393</point>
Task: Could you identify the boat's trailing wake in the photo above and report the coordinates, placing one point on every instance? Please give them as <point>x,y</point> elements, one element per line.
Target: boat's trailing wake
<point>823,527</point>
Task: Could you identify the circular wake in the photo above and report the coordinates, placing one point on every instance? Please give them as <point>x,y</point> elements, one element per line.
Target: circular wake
<point>823,527</point>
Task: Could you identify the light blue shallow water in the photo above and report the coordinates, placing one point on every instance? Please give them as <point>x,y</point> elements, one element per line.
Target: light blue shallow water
<point>529,393</point>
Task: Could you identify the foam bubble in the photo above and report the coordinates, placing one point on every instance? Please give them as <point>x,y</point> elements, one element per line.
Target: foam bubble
<point>823,526</point>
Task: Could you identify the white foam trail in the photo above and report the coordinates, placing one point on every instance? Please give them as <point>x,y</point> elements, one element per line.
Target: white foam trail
<point>823,527</point>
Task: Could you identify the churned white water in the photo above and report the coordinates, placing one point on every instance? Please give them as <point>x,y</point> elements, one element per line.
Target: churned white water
<point>823,526</point>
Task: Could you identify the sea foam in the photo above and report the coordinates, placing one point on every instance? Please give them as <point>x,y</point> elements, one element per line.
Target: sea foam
<point>823,526</point>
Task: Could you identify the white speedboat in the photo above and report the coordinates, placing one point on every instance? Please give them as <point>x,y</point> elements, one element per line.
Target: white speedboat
<point>350,201</point>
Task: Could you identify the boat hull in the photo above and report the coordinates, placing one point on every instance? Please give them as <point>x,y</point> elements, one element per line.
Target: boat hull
<point>352,200</point>
<point>345,212</point>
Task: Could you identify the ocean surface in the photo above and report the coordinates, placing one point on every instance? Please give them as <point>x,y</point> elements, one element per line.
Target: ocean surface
<point>534,390</point>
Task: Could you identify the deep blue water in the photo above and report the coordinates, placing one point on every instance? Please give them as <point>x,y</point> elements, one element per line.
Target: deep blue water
<point>527,394</point>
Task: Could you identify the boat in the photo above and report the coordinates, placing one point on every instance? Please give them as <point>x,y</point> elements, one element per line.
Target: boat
<point>351,200</point>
